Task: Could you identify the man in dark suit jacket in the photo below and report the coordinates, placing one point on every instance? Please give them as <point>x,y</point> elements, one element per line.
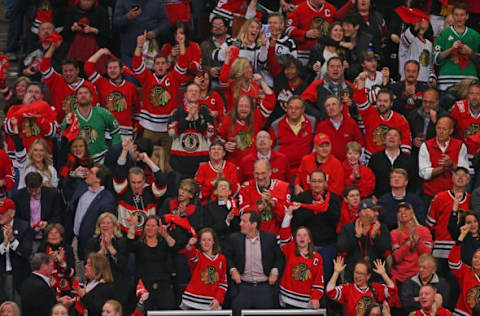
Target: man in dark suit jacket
<point>254,279</point>
<point>37,296</point>
<point>89,201</point>
<point>48,199</point>
<point>15,248</point>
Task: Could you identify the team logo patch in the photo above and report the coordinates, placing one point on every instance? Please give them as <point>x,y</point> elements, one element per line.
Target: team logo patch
<point>142,216</point>
<point>301,272</point>
<point>266,213</point>
<point>473,296</point>
<point>362,305</point>
<point>472,129</point>
<point>424,58</point>
<point>379,134</point>
<point>209,275</point>
<point>158,96</point>
<point>88,133</point>
<point>115,102</point>
<point>68,104</point>
<point>29,127</point>
<point>190,142</point>
<point>243,140</point>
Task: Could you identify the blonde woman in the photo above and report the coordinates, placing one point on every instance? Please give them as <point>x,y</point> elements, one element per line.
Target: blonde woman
<point>39,160</point>
<point>409,241</point>
<point>9,308</point>
<point>251,44</point>
<point>109,241</point>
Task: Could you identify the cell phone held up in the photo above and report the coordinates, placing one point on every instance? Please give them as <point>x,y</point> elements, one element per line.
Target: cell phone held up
<point>135,7</point>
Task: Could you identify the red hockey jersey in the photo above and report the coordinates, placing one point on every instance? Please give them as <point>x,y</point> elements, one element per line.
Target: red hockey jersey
<point>376,126</point>
<point>35,121</point>
<point>299,22</point>
<point>64,97</point>
<point>159,94</point>
<point>440,312</point>
<point>208,282</point>
<point>241,135</point>
<point>468,281</point>
<point>120,99</point>
<point>6,173</point>
<point>278,163</point>
<point>250,197</point>
<point>332,167</point>
<point>357,299</point>
<point>302,279</point>
<point>192,53</point>
<point>466,123</point>
<point>207,175</point>
<point>294,146</point>
<point>437,220</point>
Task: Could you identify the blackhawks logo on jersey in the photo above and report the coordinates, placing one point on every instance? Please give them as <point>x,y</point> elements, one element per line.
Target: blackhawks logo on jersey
<point>243,140</point>
<point>472,129</point>
<point>362,305</point>
<point>424,58</point>
<point>68,104</point>
<point>266,212</point>
<point>379,134</point>
<point>116,102</point>
<point>209,275</point>
<point>301,272</point>
<point>29,127</point>
<point>190,142</point>
<point>473,296</point>
<point>88,133</point>
<point>158,96</point>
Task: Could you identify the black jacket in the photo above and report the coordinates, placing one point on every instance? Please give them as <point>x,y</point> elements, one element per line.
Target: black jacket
<point>103,202</point>
<point>272,256</point>
<point>96,298</point>
<point>381,167</point>
<point>214,216</point>
<point>52,205</point>
<point>401,103</point>
<point>411,288</point>
<point>359,248</point>
<point>37,297</point>
<point>322,225</point>
<point>19,258</point>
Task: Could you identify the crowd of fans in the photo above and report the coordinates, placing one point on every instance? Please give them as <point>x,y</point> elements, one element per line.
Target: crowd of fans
<point>304,154</point>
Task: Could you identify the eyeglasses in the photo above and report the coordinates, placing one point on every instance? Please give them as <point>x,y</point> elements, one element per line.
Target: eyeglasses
<point>218,25</point>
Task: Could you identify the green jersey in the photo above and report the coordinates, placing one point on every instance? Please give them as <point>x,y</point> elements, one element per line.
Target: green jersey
<point>93,128</point>
<point>451,71</point>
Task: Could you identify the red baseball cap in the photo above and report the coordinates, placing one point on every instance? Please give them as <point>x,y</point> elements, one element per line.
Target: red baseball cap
<point>321,138</point>
<point>5,205</point>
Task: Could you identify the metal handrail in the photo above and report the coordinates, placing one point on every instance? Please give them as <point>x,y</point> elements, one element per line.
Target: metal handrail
<point>274,312</point>
<point>227,312</point>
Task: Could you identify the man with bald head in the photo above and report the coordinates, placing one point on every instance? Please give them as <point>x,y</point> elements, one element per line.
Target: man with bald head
<point>438,157</point>
<point>422,120</point>
<point>278,161</point>
<point>265,195</point>
<point>431,302</point>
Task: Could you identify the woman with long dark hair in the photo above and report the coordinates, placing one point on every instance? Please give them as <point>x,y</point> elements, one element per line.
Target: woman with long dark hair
<point>471,242</point>
<point>192,50</point>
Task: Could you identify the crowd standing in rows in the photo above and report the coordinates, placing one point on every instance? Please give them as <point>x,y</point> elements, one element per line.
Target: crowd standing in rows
<point>304,154</point>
